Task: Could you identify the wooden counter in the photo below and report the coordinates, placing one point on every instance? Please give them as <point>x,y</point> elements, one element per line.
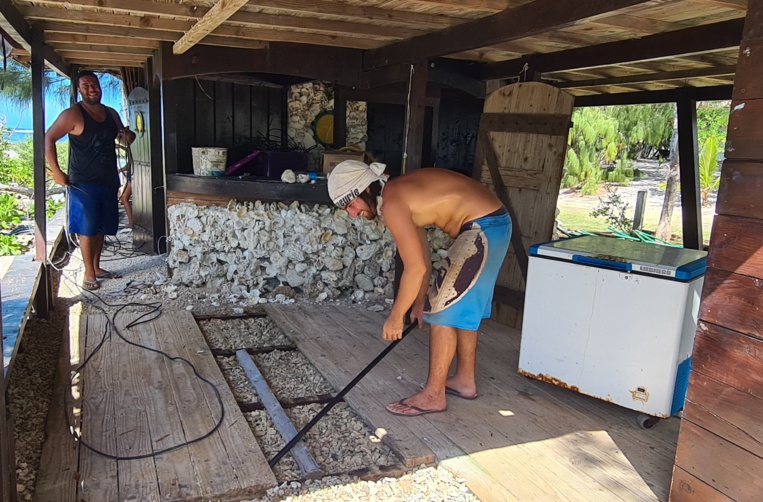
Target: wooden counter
<point>206,190</point>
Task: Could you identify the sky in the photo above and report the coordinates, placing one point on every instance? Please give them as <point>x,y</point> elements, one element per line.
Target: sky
<point>20,118</point>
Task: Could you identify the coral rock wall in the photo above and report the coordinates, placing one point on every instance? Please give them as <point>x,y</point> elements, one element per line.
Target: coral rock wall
<point>255,248</point>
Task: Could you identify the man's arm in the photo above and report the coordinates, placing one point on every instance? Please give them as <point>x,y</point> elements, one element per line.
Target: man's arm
<point>64,124</point>
<point>408,238</point>
<point>125,136</point>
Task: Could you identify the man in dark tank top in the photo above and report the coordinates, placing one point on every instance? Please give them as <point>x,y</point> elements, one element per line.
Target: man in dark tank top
<point>92,181</point>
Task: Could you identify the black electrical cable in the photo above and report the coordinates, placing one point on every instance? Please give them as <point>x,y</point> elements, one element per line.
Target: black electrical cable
<point>337,399</point>
<point>155,310</point>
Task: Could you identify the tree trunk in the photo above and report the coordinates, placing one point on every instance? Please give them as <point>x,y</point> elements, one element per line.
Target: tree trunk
<point>666,216</point>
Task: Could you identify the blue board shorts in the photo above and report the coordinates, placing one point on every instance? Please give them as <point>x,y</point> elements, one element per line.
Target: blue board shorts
<point>93,209</point>
<point>462,292</point>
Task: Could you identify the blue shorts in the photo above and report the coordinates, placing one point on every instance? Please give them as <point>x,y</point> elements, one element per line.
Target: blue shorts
<point>462,293</point>
<point>93,209</point>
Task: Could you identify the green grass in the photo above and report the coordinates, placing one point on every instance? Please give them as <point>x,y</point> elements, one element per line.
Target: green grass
<point>574,217</point>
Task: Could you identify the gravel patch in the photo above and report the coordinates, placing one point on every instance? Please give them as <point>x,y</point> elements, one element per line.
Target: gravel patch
<point>424,484</point>
<point>290,374</point>
<point>237,380</point>
<point>340,442</point>
<point>234,334</point>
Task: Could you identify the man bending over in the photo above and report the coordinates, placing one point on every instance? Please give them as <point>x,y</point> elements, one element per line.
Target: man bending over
<point>462,292</point>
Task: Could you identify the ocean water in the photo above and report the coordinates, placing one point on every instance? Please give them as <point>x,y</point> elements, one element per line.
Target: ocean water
<point>19,135</point>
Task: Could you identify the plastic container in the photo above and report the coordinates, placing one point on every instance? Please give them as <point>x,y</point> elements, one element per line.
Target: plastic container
<point>209,161</point>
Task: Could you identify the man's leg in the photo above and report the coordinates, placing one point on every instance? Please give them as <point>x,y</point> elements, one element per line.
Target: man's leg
<point>442,348</point>
<point>464,381</point>
<point>97,250</point>
<point>88,245</point>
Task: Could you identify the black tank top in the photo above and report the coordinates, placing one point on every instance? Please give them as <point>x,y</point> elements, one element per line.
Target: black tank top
<point>92,154</point>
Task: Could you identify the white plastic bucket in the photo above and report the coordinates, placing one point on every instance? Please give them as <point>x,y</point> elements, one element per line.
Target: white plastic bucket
<point>209,161</point>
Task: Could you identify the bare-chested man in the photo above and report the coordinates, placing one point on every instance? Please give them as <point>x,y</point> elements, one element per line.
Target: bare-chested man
<point>462,293</point>
<point>92,180</point>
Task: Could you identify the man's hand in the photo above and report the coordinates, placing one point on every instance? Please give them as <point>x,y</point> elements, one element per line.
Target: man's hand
<point>60,177</point>
<point>125,136</point>
<point>417,313</point>
<point>393,328</point>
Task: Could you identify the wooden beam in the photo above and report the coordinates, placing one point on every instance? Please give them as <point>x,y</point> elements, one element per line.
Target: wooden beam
<point>38,146</point>
<point>650,77</point>
<point>695,40</point>
<point>216,16</point>
<point>340,117</point>
<point>415,112</point>
<point>716,93</point>
<point>691,203</point>
<point>341,66</point>
<point>524,21</point>
<point>122,42</point>
<point>14,24</point>
<point>97,55</point>
<point>68,48</point>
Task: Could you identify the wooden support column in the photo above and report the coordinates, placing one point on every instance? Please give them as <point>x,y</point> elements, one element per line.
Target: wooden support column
<point>720,446</point>
<point>691,203</point>
<point>340,117</point>
<point>45,288</point>
<point>415,113</point>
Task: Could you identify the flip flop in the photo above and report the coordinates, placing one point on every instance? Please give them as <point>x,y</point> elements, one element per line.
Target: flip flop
<point>91,285</point>
<point>417,411</point>
<point>108,275</point>
<point>454,392</point>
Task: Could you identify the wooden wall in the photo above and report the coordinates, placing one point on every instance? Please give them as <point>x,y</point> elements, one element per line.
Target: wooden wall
<point>720,446</point>
<point>201,113</point>
<point>459,124</point>
<point>386,124</point>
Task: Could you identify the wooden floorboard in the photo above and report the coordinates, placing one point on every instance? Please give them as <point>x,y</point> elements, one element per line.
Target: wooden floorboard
<point>520,440</point>
<point>136,402</point>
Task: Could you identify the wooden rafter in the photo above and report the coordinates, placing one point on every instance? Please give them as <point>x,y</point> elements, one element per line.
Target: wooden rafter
<point>14,24</point>
<point>530,19</point>
<point>651,77</point>
<point>216,16</point>
<point>688,41</point>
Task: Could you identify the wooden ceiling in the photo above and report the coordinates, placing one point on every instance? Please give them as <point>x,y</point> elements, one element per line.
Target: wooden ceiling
<point>585,46</point>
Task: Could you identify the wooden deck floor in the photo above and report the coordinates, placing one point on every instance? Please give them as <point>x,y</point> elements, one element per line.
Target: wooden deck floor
<point>520,440</point>
<point>132,402</point>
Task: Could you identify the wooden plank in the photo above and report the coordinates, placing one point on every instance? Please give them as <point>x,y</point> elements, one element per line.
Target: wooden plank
<point>57,478</point>
<point>652,77</point>
<point>415,109</point>
<point>98,475</point>
<point>246,189</point>
<point>175,473</point>
<point>528,123</point>
<point>737,244</point>
<point>729,357</point>
<point>307,464</point>
<point>214,17</point>
<point>732,300</point>
<point>20,284</point>
<point>688,488</point>
<point>71,39</point>
<point>727,468</point>
<point>244,457</point>
<point>745,130</point>
<point>725,411</point>
<point>740,189</point>
<point>748,82</point>
<point>136,477</point>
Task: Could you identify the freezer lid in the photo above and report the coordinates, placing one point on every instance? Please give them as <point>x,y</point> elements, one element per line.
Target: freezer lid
<point>629,256</point>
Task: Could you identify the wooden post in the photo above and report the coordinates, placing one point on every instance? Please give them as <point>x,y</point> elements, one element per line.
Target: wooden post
<point>638,216</point>
<point>719,455</point>
<point>340,117</point>
<point>415,113</point>
<point>691,203</point>
<point>38,144</point>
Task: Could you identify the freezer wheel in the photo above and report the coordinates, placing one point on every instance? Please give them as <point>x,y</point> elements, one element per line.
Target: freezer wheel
<point>647,421</point>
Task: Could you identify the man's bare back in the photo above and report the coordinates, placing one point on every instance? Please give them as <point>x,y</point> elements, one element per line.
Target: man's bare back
<point>441,198</point>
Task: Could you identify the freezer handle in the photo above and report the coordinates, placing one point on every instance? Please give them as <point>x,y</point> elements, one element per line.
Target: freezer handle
<point>596,262</point>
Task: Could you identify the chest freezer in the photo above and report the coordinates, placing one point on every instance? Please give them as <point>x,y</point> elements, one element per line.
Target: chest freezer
<point>613,319</point>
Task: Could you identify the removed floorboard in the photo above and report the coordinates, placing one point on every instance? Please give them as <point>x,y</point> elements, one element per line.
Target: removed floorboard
<point>135,402</point>
<point>520,440</point>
